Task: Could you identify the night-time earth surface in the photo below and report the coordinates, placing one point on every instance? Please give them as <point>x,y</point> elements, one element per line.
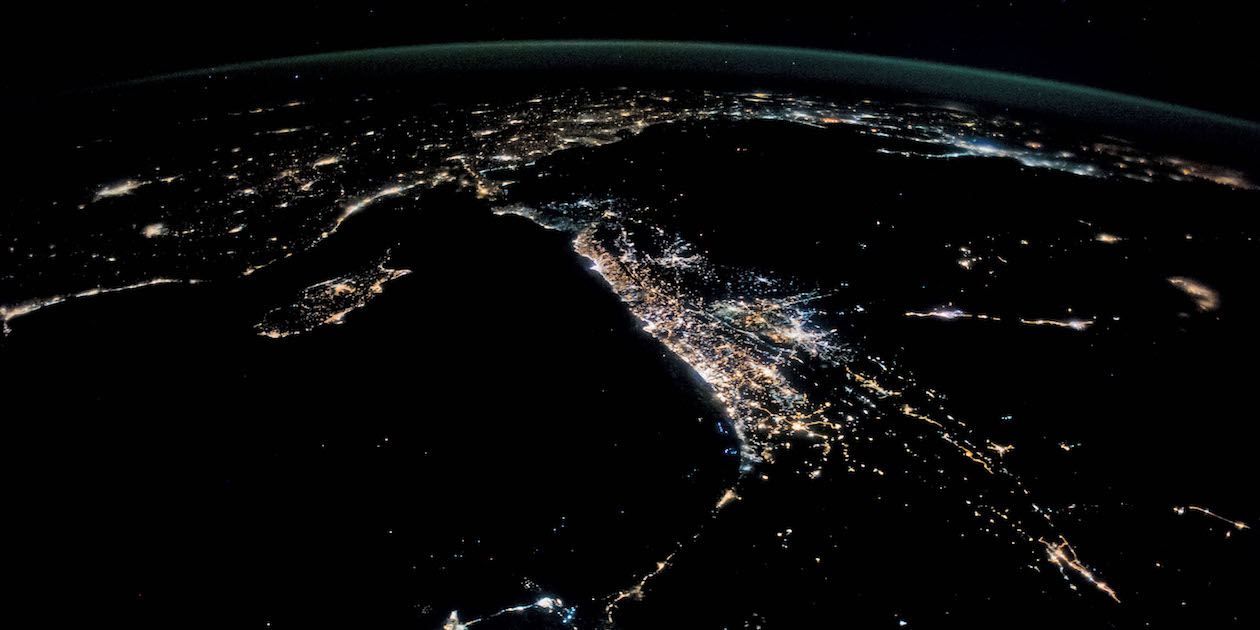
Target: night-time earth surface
<point>629,336</point>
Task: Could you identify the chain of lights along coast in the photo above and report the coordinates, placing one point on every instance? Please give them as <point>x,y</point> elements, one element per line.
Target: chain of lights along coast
<point>783,354</point>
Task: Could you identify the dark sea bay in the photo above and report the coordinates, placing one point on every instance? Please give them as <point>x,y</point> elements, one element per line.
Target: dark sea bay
<point>493,419</point>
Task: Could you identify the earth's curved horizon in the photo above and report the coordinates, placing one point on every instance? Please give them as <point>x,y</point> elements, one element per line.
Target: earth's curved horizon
<point>770,62</point>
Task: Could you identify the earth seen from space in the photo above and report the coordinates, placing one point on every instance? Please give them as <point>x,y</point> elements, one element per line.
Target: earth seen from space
<point>629,335</point>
